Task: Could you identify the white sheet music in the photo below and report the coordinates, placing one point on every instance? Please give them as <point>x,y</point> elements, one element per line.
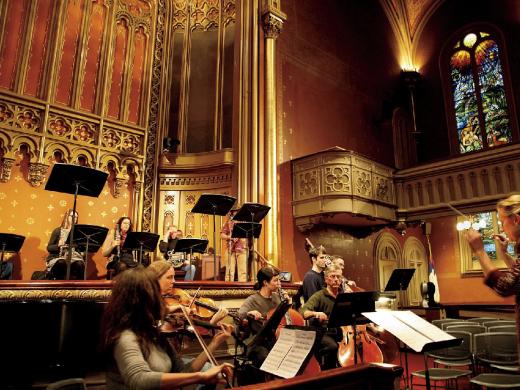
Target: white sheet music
<point>289,352</point>
<point>409,328</point>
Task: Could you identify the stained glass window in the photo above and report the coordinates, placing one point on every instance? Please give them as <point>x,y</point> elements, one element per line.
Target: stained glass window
<point>479,97</point>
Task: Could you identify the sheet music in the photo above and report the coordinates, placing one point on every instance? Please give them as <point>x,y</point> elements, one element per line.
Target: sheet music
<point>289,352</point>
<point>409,328</point>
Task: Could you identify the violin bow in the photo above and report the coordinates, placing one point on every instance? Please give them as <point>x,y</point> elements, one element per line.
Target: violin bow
<point>457,211</point>
<point>194,297</point>
<point>205,348</point>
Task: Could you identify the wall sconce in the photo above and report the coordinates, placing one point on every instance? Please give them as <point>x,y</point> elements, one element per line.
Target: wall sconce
<point>410,79</point>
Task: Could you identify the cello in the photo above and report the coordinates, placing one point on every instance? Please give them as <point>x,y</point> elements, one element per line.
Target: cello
<point>357,344</point>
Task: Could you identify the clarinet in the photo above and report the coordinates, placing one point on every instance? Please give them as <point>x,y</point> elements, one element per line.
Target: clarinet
<point>117,236</point>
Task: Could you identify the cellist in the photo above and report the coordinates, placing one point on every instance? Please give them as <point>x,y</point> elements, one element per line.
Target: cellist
<point>256,307</point>
<point>317,310</point>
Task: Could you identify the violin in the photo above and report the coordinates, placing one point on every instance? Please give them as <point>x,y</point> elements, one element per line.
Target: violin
<point>202,308</point>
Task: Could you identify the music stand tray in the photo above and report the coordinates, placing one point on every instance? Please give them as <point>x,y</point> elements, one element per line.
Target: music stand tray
<point>191,245</point>
<point>88,239</point>
<point>65,177</point>
<point>246,230</point>
<point>251,212</point>
<point>10,243</point>
<point>213,204</point>
<point>349,306</point>
<point>400,279</point>
<point>141,241</point>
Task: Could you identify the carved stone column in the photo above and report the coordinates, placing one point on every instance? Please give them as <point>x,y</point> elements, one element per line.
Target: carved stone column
<point>37,173</point>
<point>6,167</point>
<point>272,19</point>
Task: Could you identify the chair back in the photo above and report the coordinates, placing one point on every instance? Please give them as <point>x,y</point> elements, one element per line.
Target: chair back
<point>502,328</point>
<point>489,324</point>
<point>481,320</point>
<point>68,384</point>
<point>460,322</point>
<point>472,329</point>
<point>438,323</point>
<point>459,352</point>
<point>496,348</point>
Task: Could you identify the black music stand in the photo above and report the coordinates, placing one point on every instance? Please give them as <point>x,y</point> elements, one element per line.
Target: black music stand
<point>141,241</point>
<point>9,243</point>
<point>214,204</point>
<point>347,310</point>
<point>250,231</point>
<point>252,213</point>
<point>90,239</point>
<point>76,180</point>
<point>400,279</point>
<point>191,245</point>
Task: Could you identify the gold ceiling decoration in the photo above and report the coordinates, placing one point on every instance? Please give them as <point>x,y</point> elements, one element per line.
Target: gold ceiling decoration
<point>407,19</point>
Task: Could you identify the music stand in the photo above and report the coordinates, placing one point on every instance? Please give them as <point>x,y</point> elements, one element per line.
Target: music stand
<point>251,212</point>
<point>76,180</point>
<point>90,239</point>
<point>250,231</point>
<point>190,245</point>
<point>400,279</point>
<point>10,243</point>
<point>347,310</point>
<point>141,241</point>
<point>214,204</point>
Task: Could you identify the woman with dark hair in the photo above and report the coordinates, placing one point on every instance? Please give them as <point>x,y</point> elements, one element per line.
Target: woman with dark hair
<point>138,358</point>
<point>256,307</point>
<point>57,247</point>
<point>119,259</point>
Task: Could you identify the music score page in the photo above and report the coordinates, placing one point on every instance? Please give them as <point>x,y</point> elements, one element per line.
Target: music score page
<point>408,327</point>
<point>289,352</point>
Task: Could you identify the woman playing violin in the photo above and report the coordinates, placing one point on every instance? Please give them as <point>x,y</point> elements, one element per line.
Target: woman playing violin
<point>165,274</point>
<point>137,357</point>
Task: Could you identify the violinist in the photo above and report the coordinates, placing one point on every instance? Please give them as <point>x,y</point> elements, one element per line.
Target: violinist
<point>119,259</point>
<point>137,357</point>
<point>317,310</point>
<point>314,279</point>
<point>346,286</point>
<point>165,274</point>
<point>255,309</point>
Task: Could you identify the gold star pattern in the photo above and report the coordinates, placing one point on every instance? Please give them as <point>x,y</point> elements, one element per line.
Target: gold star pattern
<point>11,229</point>
<point>105,192</point>
<point>50,207</point>
<point>14,203</point>
<point>17,178</point>
<point>103,214</point>
<point>47,232</point>
<point>34,196</point>
<point>125,195</point>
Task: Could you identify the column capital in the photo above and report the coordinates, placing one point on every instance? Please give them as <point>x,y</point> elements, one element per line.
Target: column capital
<point>272,20</point>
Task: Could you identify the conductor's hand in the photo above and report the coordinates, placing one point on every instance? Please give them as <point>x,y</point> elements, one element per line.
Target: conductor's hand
<point>474,240</point>
<point>214,374</point>
<point>255,314</point>
<point>501,241</point>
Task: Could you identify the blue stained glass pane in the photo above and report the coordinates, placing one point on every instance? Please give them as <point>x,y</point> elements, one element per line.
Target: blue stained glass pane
<point>494,104</point>
<point>466,109</point>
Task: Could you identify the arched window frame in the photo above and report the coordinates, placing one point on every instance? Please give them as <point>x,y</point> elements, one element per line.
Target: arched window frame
<point>445,70</point>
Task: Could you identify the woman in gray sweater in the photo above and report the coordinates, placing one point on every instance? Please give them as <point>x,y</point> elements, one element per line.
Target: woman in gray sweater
<point>138,358</point>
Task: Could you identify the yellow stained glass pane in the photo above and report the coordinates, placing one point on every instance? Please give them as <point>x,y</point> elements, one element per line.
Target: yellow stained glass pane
<point>469,40</point>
